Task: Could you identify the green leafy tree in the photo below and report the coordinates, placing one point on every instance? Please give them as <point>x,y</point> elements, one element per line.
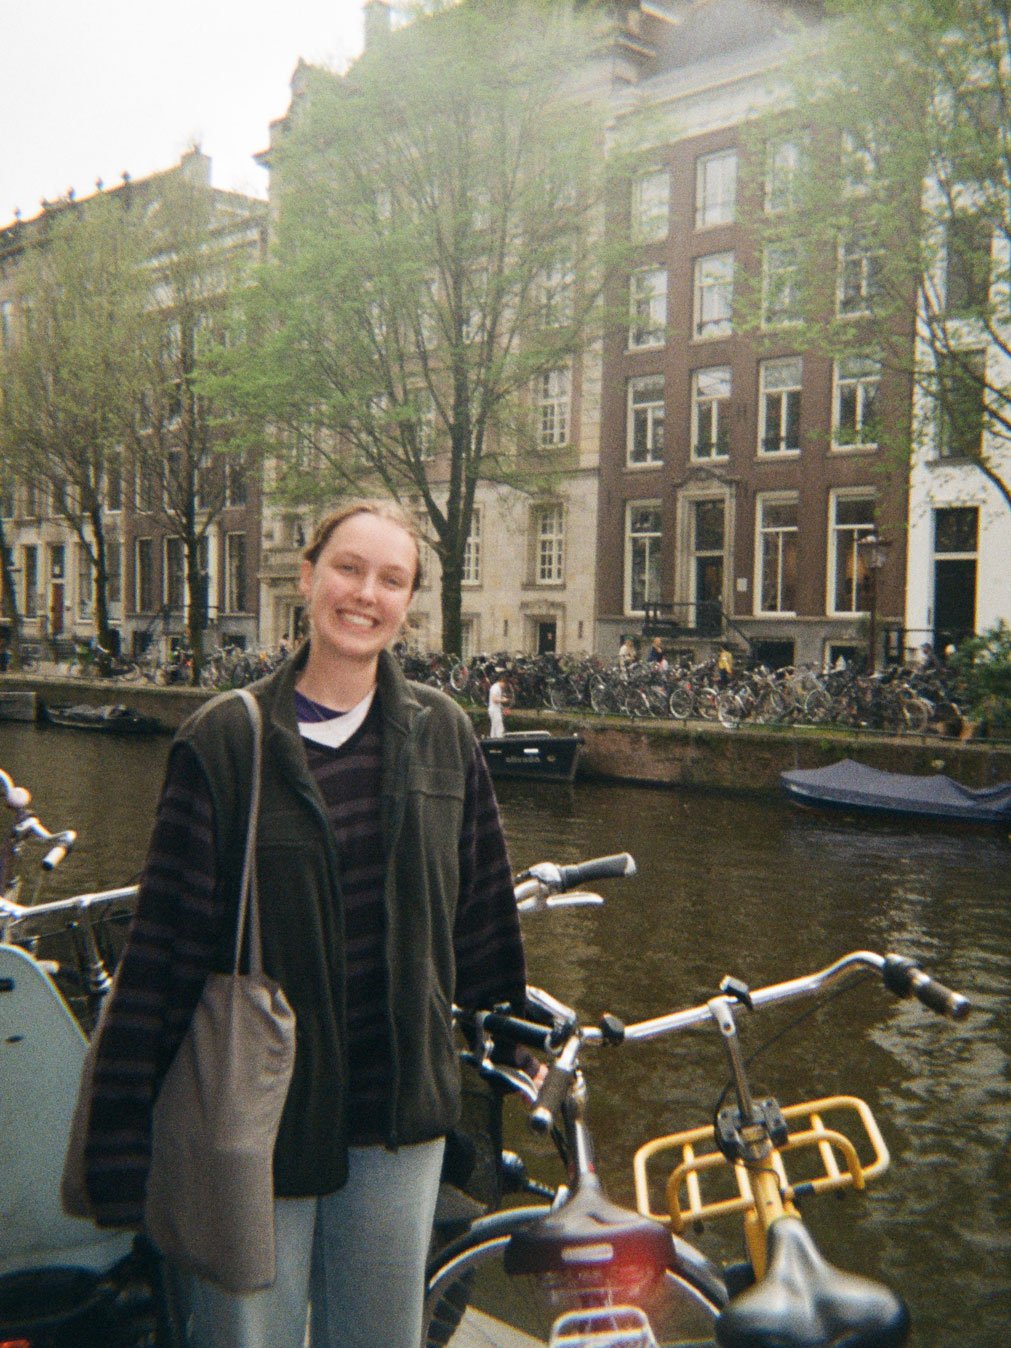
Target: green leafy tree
<point>883,220</point>
<point>202,246</point>
<point>71,376</point>
<point>438,250</point>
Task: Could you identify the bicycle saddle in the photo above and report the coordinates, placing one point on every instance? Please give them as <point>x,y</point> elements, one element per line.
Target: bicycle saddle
<point>805,1302</point>
<point>589,1232</point>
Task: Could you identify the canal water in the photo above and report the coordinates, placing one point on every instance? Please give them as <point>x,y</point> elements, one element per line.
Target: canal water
<point>735,885</point>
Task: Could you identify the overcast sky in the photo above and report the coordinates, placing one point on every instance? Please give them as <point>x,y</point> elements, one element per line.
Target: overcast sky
<point>89,88</point>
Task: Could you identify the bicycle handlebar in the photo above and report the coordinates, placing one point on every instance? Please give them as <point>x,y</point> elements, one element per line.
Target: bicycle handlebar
<point>29,825</point>
<point>900,975</point>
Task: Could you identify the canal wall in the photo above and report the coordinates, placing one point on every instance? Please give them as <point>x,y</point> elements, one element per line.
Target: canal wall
<point>657,753</point>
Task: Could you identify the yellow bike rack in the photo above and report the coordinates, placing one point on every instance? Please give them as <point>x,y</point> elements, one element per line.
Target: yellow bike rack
<point>835,1160</point>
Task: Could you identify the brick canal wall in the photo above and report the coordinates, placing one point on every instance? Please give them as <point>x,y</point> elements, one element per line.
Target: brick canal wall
<point>660,753</point>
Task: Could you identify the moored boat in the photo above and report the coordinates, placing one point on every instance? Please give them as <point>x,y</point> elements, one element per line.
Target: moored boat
<point>536,754</point>
<point>849,786</point>
<point>112,718</point>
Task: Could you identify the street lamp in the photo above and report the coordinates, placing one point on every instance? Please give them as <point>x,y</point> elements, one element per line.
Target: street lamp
<point>875,556</point>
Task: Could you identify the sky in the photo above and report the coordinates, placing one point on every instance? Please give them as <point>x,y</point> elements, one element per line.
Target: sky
<point>90,88</point>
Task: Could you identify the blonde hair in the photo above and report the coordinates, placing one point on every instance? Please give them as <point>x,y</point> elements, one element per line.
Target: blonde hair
<point>382,509</point>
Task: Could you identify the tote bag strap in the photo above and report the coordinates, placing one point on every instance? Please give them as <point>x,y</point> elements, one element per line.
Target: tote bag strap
<point>249,906</point>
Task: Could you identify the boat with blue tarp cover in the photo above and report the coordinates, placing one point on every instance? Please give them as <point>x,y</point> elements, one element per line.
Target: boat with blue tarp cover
<point>848,786</point>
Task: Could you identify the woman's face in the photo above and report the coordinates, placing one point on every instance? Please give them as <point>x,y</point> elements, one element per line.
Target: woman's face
<point>359,588</point>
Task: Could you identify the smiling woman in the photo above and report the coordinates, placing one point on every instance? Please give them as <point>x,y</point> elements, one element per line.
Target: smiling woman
<point>385,895</point>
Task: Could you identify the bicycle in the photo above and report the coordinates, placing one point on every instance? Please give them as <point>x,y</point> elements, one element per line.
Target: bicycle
<point>586,1258</point>
<point>64,1283</point>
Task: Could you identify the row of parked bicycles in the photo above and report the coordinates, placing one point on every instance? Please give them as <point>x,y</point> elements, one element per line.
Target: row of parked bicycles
<point>892,701</point>
<point>558,1263</point>
<point>221,667</point>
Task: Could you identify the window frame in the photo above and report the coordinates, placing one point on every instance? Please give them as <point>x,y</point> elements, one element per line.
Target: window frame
<point>722,418</point>
<point>649,304</point>
<point>650,213</point>
<point>230,586</point>
<point>856,531</point>
<point>713,209</point>
<point>869,373</point>
<point>763,532</point>
<point>654,542</point>
<point>785,450</point>
<point>856,302</point>
<point>554,407</point>
<point>651,408</point>
<point>722,325</point>
<point>549,543</point>
<point>470,571</point>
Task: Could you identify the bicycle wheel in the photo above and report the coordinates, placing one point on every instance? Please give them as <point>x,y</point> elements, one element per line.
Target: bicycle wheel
<point>916,712</point>
<point>729,710</point>
<point>458,677</point>
<point>470,1299</point>
<point>558,695</point>
<point>681,703</point>
<point>600,695</point>
<point>635,703</point>
<point>707,704</point>
<point>817,706</point>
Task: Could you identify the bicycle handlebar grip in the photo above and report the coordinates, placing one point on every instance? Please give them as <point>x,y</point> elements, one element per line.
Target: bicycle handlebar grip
<point>906,978</point>
<point>552,1093</point>
<point>601,868</point>
<point>515,1031</point>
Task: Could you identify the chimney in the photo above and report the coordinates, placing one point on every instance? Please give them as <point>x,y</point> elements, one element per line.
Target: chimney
<point>378,22</point>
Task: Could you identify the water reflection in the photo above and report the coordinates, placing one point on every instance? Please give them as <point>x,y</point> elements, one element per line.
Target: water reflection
<point>744,886</point>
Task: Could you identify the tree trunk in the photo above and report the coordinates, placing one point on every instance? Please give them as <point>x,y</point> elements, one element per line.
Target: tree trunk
<point>196,617</point>
<point>451,596</point>
<point>9,602</point>
<point>103,626</point>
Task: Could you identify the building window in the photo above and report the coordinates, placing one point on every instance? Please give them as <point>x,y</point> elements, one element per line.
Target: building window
<point>651,206</point>
<point>550,545</point>
<point>57,561</point>
<point>555,290</point>
<point>779,419</point>
<point>858,162</point>
<point>7,500</point>
<point>961,403</point>
<point>553,407</point>
<point>85,583</point>
<point>956,540</point>
<point>144,555</point>
<point>6,322</point>
<point>968,240</point>
<point>852,518</point>
<point>855,412</point>
<point>645,419</point>
<point>472,551</point>
<point>783,163</point>
<point>711,412</point>
<point>113,569</point>
<point>777,554</point>
<point>642,555</point>
<point>146,487</point>
<point>714,294</point>
<point>174,575</point>
<point>30,563</point>
<point>859,277</point>
<point>648,308</point>
<point>235,573</point>
<point>715,189</point>
<point>780,284</point>
<point>236,490</point>
<point>114,482</point>
<point>32,497</point>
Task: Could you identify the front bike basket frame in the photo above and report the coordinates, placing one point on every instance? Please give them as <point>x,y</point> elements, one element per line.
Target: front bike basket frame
<point>836,1141</point>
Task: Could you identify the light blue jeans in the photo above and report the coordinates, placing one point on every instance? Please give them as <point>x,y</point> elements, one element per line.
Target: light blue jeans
<point>357,1256</point>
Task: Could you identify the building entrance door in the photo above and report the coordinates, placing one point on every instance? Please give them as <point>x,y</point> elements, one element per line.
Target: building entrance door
<point>954,600</point>
<point>56,609</point>
<point>547,637</point>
